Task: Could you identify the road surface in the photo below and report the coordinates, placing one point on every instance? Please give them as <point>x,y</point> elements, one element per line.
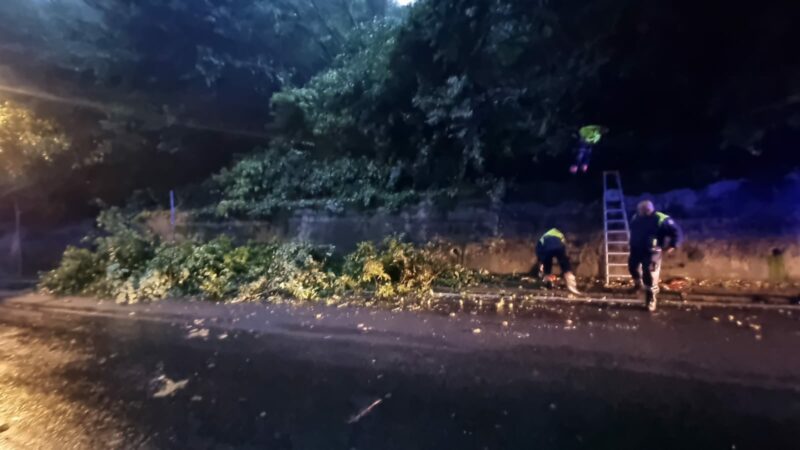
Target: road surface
<point>82,374</point>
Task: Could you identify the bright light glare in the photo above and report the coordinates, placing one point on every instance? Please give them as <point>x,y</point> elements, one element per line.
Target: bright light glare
<point>404,2</point>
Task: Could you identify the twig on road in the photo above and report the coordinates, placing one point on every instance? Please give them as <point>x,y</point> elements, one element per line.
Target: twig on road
<point>364,411</point>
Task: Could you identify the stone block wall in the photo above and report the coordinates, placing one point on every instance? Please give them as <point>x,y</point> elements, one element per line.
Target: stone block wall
<point>734,230</point>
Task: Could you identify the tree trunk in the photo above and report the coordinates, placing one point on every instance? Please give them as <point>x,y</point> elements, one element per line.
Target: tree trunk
<point>16,242</point>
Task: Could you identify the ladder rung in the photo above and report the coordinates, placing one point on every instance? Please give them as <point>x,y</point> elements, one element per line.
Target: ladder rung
<point>618,253</point>
<point>617,265</point>
<point>618,243</point>
<point>617,231</point>
<point>615,210</point>
<point>615,220</point>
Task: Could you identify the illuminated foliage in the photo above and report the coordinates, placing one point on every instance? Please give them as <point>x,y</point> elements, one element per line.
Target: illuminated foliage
<point>400,269</point>
<point>26,141</point>
<point>129,264</point>
<point>225,50</point>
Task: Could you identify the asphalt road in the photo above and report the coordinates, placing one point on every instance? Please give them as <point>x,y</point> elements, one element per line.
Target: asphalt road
<point>87,375</point>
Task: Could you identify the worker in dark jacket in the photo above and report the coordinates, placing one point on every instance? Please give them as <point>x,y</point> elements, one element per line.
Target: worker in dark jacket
<point>552,245</point>
<point>652,233</point>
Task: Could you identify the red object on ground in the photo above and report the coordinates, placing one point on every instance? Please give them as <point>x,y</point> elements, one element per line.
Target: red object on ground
<point>676,284</point>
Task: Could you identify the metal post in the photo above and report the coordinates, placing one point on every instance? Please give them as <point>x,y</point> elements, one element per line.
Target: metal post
<point>172,212</point>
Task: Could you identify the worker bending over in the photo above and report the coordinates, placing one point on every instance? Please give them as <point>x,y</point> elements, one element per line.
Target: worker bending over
<point>551,245</point>
<point>652,233</point>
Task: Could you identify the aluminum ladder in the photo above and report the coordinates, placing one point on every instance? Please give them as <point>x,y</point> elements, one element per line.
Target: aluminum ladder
<point>616,230</point>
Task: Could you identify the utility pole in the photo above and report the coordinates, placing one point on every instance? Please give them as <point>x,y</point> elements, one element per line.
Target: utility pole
<point>16,241</point>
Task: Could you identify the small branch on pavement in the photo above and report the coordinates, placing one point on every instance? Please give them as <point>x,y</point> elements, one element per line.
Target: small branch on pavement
<point>364,411</point>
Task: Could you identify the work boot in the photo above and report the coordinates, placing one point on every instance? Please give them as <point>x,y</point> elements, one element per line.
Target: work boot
<point>572,283</point>
<point>652,301</point>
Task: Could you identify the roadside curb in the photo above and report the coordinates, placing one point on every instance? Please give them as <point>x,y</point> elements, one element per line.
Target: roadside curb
<point>613,301</point>
<point>735,300</point>
<point>457,301</point>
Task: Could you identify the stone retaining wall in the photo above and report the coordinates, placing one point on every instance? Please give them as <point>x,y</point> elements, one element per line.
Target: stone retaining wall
<point>734,230</point>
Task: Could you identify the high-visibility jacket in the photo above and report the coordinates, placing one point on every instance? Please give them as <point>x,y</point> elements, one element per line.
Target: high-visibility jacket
<point>553,232</point>
<point>591,134</point>
<point>553,239</point>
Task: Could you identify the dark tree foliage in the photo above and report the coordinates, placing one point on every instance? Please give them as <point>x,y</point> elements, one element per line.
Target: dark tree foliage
<point>457,91</point>
<point>156,92</point>
<point>470,90</point>
<point>206,60</point>
<point>440,95</point>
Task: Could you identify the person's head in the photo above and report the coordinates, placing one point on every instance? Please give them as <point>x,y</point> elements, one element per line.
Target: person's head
<point>645,208</point>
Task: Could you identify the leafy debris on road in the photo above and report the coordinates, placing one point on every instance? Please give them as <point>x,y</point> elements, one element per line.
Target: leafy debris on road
<point>168,386</point>
<point>197,333</point>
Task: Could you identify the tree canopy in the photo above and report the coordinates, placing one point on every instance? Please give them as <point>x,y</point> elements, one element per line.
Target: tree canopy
<point>215,62</point>
<point>460,89</point>
<point>437,95</point>
<point>144,87</point>
<point>27,142</point>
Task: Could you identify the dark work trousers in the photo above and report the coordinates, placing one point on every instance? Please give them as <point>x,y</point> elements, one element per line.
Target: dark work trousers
<point>584,155</point>
<point>546,259</point>
<point>646,266</point>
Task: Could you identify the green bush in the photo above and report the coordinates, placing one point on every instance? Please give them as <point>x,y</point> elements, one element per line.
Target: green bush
<point>119,252</point>
<point>124,247</point>
<point>280,179</point>
<point>130,265</point>
<point>397,268</point>
<point>79,271</point>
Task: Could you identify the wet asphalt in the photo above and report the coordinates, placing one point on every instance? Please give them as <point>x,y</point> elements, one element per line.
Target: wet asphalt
<point>83,376</point>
